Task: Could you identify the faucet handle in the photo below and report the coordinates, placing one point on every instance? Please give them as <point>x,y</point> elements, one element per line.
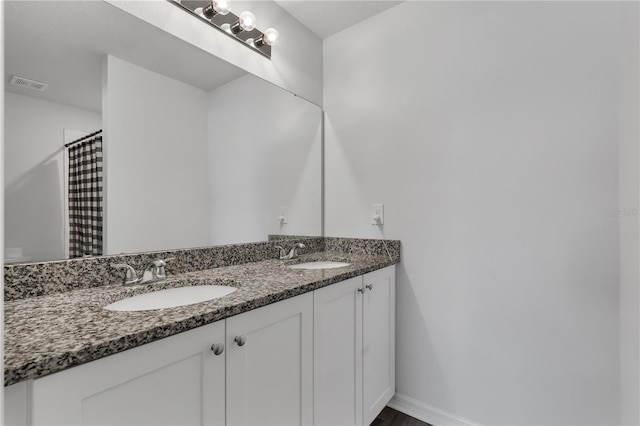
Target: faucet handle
<point>154,271</point>
<point>131,276</point>
<point>161,263</point>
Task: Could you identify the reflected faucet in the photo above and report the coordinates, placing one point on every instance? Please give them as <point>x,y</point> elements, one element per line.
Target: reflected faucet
<point>293,253</point>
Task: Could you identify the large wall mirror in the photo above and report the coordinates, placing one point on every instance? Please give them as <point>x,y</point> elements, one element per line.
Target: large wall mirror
<point>196,152</point>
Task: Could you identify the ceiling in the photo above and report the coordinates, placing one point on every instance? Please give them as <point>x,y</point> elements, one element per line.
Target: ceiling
<point>328,17</point>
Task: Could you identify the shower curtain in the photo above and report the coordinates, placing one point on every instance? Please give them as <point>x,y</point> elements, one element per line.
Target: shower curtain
<point>85,198</point>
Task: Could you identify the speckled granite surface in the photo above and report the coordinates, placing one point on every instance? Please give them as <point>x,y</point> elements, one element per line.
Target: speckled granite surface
<point>49,333</point>
<point>41,278</point>
<point>363,246</point>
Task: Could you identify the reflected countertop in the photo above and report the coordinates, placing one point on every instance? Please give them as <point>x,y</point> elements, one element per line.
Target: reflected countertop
<point>47,334</point>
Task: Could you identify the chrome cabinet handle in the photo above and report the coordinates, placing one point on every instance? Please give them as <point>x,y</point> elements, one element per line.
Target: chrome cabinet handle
<point>240,340</point>
<point>369,286</point>
<point>217,348</point>
<point>360,290</point>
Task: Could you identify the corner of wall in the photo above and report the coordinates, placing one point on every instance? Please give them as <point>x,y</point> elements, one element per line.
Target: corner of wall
<point>628,211</point>
<point>105,153</point>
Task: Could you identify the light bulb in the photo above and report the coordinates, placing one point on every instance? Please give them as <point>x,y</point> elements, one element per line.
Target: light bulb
<point>221,6</point>
<point>216,7</point>
<point>247,21</point>
<point>271,37</point>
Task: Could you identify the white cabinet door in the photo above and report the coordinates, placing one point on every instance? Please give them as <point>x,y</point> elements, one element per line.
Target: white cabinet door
<point>270,371</point>
<point>379,376</point>
<point>174,381</point>
<point>337,342</point>
<point>16,408</point>
<point>354,349</point>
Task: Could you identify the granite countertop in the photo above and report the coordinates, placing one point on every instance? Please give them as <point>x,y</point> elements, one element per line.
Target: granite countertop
<point>46,334</point>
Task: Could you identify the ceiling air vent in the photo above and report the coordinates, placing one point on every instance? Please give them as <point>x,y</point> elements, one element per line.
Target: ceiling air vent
<point>28,84</point>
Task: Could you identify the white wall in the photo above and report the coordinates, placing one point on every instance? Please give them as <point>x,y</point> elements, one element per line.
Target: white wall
<point>155,156</point>
<point>33,172</point>
<point>489,130</point>
<point>629,211</point>
<point>264,153</point>
<point>296,62</point>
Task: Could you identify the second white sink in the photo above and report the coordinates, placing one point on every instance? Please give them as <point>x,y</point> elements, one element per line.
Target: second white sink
<point>171,298</point>
<point>319,265</point>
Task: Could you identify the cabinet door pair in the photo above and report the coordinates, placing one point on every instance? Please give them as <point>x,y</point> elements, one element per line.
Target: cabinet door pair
<point>354,349</point>
<point>263,378</point>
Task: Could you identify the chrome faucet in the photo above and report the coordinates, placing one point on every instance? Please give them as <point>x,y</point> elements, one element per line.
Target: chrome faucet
<point>293,253</point>
<point>150,272</point>
<point>154,271</point>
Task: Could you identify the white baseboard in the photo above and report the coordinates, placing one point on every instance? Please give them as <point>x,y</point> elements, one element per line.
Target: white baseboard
<point>426,413</point>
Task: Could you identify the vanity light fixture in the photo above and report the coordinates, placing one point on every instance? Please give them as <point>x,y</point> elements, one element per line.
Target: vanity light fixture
<point>241,28</point>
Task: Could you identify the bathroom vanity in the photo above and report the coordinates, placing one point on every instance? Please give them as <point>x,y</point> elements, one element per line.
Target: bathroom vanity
<point>290,346</point>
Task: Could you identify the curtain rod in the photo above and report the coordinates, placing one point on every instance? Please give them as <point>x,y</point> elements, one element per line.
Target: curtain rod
<point>67,145</point>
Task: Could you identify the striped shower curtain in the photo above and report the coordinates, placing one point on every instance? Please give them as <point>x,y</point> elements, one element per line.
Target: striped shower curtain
<point>85,198</point>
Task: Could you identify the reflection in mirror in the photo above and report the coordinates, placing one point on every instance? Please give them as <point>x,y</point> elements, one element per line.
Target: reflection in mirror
<point>193,155</point>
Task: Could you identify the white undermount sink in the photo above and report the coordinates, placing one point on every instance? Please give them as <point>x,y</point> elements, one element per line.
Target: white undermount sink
<point>319,265</point>
<point>171,298</point>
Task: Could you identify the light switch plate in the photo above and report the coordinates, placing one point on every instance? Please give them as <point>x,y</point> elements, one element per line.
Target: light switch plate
<point>377,214</point>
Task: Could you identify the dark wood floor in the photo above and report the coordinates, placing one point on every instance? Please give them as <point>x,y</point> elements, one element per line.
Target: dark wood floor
<point>391,417</point>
